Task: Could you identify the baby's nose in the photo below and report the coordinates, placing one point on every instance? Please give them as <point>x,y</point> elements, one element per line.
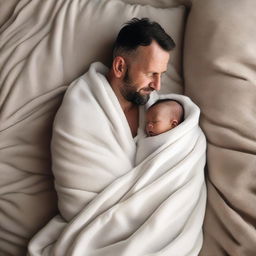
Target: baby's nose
<point>150,125</point>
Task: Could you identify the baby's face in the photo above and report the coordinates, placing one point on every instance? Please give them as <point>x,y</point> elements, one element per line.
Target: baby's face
<point>158,120</point>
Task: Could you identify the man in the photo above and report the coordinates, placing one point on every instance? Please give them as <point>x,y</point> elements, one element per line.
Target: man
<point>109,204</point>
<point>140,56</point>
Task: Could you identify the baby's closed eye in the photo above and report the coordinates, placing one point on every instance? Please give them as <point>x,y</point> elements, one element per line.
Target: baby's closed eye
<point>152,122</point>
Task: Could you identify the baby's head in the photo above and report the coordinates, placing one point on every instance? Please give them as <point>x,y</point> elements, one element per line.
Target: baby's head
<point>162,116</point>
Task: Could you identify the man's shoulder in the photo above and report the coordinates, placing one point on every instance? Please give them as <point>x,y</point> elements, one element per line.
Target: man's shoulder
<point>98,67</point>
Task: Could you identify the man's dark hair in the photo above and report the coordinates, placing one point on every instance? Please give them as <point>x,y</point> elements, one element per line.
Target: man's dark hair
<point>141,32</point>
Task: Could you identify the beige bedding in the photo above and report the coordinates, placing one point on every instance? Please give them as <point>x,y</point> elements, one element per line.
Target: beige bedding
<point>46,44</point>
<point>220,76</point>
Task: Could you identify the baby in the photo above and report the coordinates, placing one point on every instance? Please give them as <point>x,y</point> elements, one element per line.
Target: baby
<point>162,116</point>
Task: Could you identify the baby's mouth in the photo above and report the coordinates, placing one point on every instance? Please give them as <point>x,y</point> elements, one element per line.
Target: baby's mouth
<point>151,133</point>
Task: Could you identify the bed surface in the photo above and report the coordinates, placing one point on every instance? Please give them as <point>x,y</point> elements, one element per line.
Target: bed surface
<point>45,45</point>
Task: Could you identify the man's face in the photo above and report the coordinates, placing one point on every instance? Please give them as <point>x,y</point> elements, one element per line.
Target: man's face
<point>130,92</point>
<point>143,73</point>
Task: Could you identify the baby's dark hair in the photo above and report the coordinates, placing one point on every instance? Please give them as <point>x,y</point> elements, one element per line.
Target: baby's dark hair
<point>141,32</point>
<point>180,112</point>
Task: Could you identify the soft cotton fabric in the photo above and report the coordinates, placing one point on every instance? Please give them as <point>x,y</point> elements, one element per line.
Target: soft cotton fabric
<point>108,204</point>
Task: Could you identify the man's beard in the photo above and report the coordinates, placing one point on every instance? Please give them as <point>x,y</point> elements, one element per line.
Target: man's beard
<point>129,92</point>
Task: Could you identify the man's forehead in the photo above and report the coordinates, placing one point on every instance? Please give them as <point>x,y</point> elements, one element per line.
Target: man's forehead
<point>152,58</point>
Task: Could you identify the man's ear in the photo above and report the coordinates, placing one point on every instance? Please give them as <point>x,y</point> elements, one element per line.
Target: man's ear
<point>174,123</point>
<point>119,66</point>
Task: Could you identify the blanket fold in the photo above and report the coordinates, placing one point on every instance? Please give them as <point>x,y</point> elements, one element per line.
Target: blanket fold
<point>110,203</point>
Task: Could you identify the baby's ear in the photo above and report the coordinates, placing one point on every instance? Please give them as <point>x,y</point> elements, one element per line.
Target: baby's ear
<point>174,123</point>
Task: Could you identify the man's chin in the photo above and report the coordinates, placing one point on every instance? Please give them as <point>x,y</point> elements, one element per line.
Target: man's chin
<point>141,99</point>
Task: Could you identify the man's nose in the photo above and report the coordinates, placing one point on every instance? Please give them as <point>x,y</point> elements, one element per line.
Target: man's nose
<point>156,83</point>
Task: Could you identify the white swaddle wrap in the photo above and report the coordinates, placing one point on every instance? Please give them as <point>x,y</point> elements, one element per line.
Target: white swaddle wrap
<point>110,205</point>
<point>146,145</point>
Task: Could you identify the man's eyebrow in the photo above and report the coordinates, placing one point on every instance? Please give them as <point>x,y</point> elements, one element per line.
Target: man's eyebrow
<point>153,72</point>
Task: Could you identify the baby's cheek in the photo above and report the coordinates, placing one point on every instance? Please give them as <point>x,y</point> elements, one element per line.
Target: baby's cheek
<point>157,127</point>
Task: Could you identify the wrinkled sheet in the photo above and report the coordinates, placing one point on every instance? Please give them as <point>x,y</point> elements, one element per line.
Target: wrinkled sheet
<point>220,75</point>
<point>108,204</point>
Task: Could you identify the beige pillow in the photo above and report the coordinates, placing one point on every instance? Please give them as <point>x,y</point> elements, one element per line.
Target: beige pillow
<point>103,34</point>
<point>160,3</point>
<point>44,46</point>
<point>220,75</point>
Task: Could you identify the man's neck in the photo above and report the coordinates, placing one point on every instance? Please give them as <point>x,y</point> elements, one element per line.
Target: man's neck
<point>130,109</point>
<point>132,116</point>
<point>131,112</point>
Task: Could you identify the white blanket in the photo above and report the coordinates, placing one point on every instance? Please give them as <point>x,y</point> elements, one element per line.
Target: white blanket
<point>109,205</point>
